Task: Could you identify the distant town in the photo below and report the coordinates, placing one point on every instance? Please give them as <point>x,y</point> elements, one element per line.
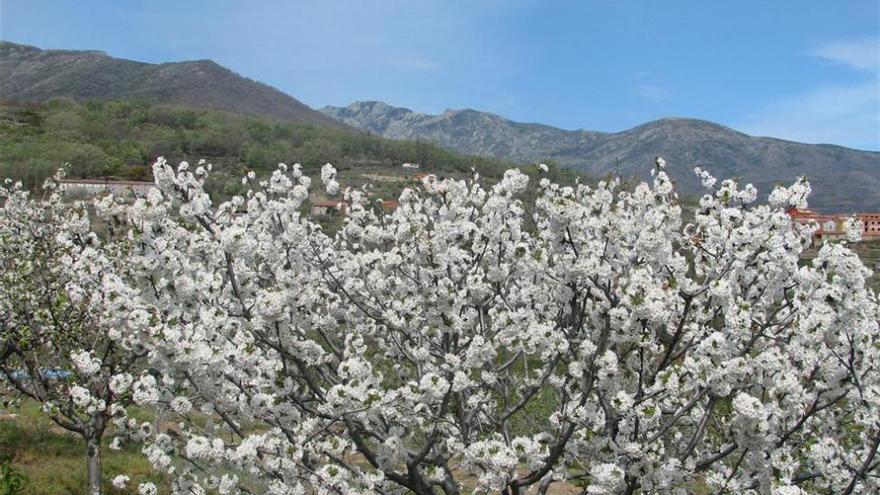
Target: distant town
<point>833,226</point>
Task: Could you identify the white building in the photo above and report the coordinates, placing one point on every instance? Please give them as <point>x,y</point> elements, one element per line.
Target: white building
<point>100,186</point>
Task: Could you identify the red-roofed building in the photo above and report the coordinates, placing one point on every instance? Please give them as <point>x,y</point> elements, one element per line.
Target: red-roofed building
<point>834,226</point>
<point>870,225</point>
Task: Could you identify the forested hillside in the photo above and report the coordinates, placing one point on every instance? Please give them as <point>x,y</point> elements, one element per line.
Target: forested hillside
<point>28,73</point>
<point>121,139</point>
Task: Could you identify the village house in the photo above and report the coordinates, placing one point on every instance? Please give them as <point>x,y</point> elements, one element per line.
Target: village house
<point>832,227</point>
<point>870,224</point>
<point>92,187</point>
<point>328,207</point>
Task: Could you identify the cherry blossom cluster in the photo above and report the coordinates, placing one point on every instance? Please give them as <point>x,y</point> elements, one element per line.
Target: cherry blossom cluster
<point>69,333</point>
<point>494,338</point>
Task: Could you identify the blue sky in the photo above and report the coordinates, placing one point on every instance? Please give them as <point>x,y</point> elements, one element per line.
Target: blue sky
<point>801,70</point>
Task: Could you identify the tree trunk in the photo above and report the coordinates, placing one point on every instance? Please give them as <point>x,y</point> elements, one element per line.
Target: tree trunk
<point>93,463</point>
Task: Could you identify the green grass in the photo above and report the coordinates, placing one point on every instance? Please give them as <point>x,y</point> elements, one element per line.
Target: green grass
<point>54,460</point>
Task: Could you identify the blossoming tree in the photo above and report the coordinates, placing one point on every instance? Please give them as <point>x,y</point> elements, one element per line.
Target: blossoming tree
<point>64,338</point>
<point>473,341</point>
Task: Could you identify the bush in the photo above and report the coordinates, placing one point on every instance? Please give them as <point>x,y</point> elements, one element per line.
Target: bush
<point>12,481</point>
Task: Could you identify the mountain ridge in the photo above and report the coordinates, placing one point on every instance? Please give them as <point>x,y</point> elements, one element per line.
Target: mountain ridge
<point>29,73</point>
<point>843,179</point>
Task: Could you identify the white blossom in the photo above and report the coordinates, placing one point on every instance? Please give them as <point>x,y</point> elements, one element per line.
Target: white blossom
<point>85,363</point>
<point>120,481</point>
<point>499,336</point>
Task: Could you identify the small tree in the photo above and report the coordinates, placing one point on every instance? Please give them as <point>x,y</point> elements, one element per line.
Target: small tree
<point>63,325</point>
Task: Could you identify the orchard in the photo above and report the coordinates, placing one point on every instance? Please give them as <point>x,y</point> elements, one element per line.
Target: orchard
<point>502,338</point>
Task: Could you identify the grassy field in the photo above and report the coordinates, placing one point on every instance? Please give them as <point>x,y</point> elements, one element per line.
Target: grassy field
<point>53,460</point>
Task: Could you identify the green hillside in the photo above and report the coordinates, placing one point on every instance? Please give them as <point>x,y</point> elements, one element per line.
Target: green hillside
<point>28,73</point>
<point>121,139</point>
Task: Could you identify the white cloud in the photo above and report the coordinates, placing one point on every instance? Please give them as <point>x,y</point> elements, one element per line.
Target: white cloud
<point>862,54</point>
<point>848,115</point>
<point>652,92</point>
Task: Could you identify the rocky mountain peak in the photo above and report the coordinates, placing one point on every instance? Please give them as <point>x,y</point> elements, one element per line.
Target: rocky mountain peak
<point>843,179</point>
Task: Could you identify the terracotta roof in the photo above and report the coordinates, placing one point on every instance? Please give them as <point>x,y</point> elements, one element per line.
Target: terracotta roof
<point>808,213</point>
<point>798,212</point>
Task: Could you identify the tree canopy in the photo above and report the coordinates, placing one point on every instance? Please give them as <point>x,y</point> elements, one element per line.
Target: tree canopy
<point>494,339</point>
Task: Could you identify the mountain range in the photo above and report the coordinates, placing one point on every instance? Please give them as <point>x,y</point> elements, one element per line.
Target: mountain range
<point>28,73</point>
<point>843,179</point>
